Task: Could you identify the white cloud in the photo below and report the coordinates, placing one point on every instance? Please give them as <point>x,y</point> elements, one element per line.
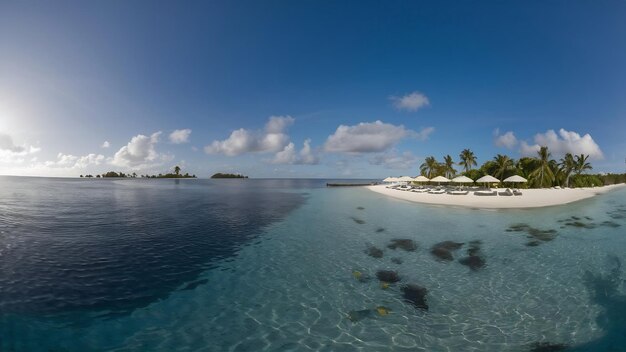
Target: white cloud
<point>6,144</point>
<point>307,156</point>
<point>139,153</point>
<point>423,134</point>
<point>564,142</point>
<point>75,162</point>
<point>270,140</point>
<point>370,137</point>
<point>89,159</point>
<point>286,156</point>
<point>410,102</point>
<point>180,136</point>
<point>106,144</point>
<point>507,140</point>
<point>277,124</point>
<point>289,155</point>
<point>394,160</point>
<point>11,153</point>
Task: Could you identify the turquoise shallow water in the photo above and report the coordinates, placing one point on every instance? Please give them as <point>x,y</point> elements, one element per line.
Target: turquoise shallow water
<point>291,285</point>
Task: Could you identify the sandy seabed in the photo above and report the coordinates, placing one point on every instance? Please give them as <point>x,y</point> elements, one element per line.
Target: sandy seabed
<point>530,198</point>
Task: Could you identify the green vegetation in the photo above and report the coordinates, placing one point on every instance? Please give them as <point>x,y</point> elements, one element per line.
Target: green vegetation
<point>541,171</point>
<point>431,168</point>
<point>468,159</point>
<point>448,166</point>
<point>221,175</point>
<point>176,174</point>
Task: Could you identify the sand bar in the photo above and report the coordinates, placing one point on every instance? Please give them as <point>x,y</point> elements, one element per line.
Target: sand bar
<point>531,198</point>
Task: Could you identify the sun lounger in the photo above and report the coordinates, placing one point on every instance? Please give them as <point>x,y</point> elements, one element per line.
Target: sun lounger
<point>506,192</point>
<point>486,193</point>
<point>456,193</point>
<point>517,192</point>
<point>437,191</point>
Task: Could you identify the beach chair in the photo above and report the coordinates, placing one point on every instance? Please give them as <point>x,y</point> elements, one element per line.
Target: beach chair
<point>486,193</point>
<point>438,191</point>
<point>506,192</point>
<point>517,192</point>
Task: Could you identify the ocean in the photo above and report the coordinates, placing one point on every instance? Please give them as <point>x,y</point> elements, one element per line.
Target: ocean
<point>291,265</point>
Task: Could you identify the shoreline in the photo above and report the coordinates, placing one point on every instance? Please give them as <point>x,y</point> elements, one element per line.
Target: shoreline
<point>530,198</point>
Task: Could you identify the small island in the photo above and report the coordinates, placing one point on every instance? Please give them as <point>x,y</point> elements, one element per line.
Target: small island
<point>113,174</point>
<point>221,175</point>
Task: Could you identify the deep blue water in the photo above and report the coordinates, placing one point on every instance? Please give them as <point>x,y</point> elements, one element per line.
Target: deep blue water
<point>248,265</point>
<point>114,246</point>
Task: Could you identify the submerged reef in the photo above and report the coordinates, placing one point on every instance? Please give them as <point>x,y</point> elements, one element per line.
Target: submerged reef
<point>374,252</point>
<point>396,260</point>
<point>474,260</point>
<point>403,243</point>
<point>357,220</point>
<point>443,250</point>
<point>415,295</point>
<point>535,235</point>
<point>387,276</point>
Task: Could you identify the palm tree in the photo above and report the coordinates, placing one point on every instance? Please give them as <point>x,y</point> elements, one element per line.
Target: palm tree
<point>525,166</point>
<point>429,166</point>
<point>567,166</point>
<point>503,164</point>
<point>543,171</point>
<point>176,170</point>
<point>449,166</point>
<point>134,175</point>
<point>468,159</point>
<point>582,164</point>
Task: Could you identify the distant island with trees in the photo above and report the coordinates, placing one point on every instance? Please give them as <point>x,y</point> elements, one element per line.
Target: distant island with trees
<point>221,175</point>
<point>113,174</point>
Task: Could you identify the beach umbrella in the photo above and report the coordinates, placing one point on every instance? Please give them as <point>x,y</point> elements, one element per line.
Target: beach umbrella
<point>388,179</point>
<point>421,178</point>
<point>405,179</point>
<point>462,179</point>
<point>440,179</point>
<point>488,179</point>
<point>392,179</point>
<point>515,179</point>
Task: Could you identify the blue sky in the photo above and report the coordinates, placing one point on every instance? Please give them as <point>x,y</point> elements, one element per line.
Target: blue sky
<point>440,76</point>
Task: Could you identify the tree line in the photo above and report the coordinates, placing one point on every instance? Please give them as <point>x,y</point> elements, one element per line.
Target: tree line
<point>541,171</point>
<point>176,174</point>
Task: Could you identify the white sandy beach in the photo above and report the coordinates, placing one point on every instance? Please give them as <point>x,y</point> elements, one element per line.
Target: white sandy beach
<point>531,198</point>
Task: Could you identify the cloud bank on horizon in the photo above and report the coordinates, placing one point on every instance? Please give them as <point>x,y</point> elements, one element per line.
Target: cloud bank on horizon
<point>380,140</point>
<point>558,145</point>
